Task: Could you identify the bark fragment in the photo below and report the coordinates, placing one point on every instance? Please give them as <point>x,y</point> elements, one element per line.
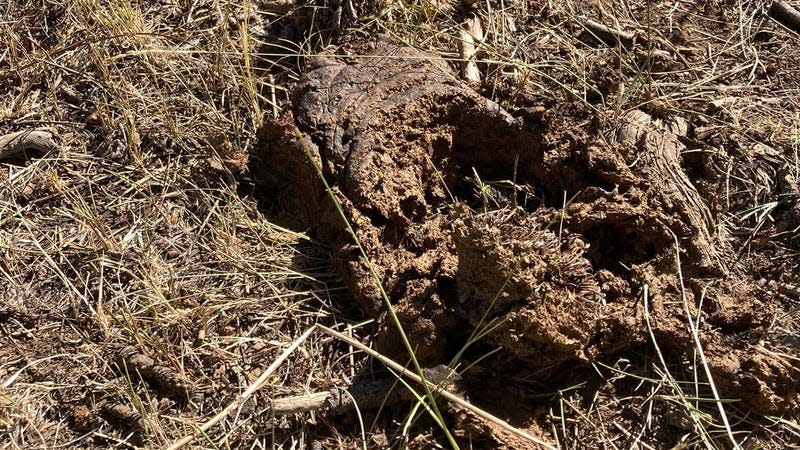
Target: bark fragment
<point>42,140</point>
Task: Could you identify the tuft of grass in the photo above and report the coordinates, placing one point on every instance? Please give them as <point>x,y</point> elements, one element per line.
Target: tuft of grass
<point>133,233</point>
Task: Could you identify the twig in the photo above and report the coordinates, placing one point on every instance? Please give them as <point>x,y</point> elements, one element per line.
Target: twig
<point>364,394</point>
<point>240,399</point>
<point>610,37</point>
<point>300,403</point>
<point>470,33</point>
<point>447,395</point>
<point>15,143</point>
<point>278,7</point>
<point>785,14</point>
<point>256,385</point>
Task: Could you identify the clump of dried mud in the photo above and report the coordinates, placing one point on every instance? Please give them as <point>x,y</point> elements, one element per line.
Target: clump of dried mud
<point>462,208</point>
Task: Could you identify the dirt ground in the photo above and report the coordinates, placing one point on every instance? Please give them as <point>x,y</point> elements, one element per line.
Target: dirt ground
<point>602,236</point>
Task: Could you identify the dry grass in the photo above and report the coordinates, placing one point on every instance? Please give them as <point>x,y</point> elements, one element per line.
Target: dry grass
<point>133,232</point>
<point>192,276</point>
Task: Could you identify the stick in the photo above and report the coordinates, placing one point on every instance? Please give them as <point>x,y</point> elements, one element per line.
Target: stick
<point>12,144</point>
<point>364,394</point>
<point>300,404</point>
<point>451,397</point>
<point>610,37</point>
<point>279,7</point>
<point>785,14</point>
<point>470,33</point>
<point>240,399</point>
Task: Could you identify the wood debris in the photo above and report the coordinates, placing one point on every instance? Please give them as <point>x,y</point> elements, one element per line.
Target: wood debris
<point>787,15</point>
<point>42,140</point>
<point>469,36</point>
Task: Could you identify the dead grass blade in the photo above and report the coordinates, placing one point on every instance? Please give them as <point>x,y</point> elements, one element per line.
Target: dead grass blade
<point>240,399</point>
<point>403,371</point>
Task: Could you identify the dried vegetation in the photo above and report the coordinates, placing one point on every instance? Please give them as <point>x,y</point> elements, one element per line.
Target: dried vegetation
<point>145,281</point>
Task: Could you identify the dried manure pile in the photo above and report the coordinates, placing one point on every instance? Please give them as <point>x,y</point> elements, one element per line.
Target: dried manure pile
<point>571,254</point>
